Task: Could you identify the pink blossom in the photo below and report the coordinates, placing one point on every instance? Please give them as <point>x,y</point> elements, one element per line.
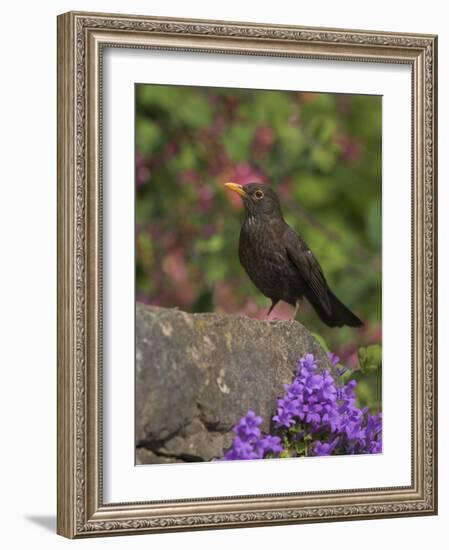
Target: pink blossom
<point>142,170</point>
<point>205,198</point>
<point>190,176</point>
<point>263,139</point>
<point>253,310</point>
<point>246,173</point>
<point>174,265</point>
<point>284,190</point>
<point>350,148</point>
<point>171,149</point>
<point>224,297</point>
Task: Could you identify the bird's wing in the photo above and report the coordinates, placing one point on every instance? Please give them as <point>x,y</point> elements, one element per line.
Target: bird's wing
<point>308,266</point>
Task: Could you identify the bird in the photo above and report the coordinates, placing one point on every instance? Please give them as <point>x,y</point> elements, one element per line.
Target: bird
<point>278,260</point>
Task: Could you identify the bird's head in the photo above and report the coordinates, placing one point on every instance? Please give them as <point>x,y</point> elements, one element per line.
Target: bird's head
<point>259,199</point>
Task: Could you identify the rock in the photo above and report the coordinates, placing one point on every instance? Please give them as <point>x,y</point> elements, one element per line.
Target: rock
<point>197,442</point>
<point>145,456</point>
<point>198,374</point>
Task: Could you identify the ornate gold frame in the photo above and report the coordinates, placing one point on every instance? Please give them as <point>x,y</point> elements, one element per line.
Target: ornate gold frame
<point>81,38</point>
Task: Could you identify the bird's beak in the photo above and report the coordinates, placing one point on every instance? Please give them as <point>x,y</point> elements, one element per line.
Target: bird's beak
<point>237,188</point>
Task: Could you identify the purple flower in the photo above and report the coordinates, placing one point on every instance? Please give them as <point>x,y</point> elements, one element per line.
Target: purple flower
<point>308,362</point>
<point>334,361</point>
<point>270,443</point>
<point>374,433</point>
<point>295,389</point>
<point>315,416</point>
<point>375,447</point>
<point>287,411</point>
<point>248,427</point>
<point>248,442</point>
<point>315,397</point>
<point>324,449</point>
<point>240,450</point>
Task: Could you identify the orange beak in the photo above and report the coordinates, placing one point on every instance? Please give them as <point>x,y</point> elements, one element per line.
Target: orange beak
<point>237,188</point>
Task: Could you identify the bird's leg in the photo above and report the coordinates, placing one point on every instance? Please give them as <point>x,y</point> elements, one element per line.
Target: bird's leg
<point>298,303</point>
<point>297,307</point>
<point>273,305</point>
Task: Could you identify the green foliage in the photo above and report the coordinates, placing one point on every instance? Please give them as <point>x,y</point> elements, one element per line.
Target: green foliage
<point>370,358</point>
<point>322,154</point>
<point>369,390</point>
<point>368,375</point>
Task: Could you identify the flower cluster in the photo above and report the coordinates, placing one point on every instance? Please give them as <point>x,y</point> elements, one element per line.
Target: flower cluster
<point>316,416</point>
<point>249,442</point>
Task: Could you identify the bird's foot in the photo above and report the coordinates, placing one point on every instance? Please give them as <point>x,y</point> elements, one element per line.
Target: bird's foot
<point>283,312</point>
<point>273,319</point>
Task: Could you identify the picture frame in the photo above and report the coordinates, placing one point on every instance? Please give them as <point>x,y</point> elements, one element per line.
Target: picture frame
<point>82,41</point>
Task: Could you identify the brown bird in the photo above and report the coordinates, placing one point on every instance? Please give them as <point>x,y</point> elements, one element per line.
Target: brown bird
<point>279,262</point>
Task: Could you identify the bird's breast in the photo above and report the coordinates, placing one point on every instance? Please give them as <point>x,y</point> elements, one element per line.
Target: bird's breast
<point>260,240</point>
<point>264,257</point>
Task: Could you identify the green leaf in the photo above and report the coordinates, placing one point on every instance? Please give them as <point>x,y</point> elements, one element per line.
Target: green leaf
<point>374,223</point>
<point>320,340</point>
<point>370,358</point>
<point>147,135</point>
<point>285,454</point>
<point>237,141</point>
<point>300,448</point>
<point>323,157</point>
<point>187,158</point>
<point>194,111</point>
<point>369,391</point>
<point>216,268</point>
<point>327,130</point>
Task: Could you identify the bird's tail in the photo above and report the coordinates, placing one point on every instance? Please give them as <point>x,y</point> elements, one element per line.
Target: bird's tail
<point>338,315</point>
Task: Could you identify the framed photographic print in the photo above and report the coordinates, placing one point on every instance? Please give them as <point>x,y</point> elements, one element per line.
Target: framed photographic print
<point>246,274</point>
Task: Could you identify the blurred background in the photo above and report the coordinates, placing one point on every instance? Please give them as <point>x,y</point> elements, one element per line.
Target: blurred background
<point>322,154</point>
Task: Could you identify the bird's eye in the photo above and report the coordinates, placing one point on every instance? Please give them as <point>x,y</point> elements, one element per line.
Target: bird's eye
<point>258,194</point>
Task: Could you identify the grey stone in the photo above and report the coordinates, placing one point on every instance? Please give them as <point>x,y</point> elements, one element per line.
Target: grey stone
<point>196,442</point>
<point>197,374</point>
<point>145,456</point>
